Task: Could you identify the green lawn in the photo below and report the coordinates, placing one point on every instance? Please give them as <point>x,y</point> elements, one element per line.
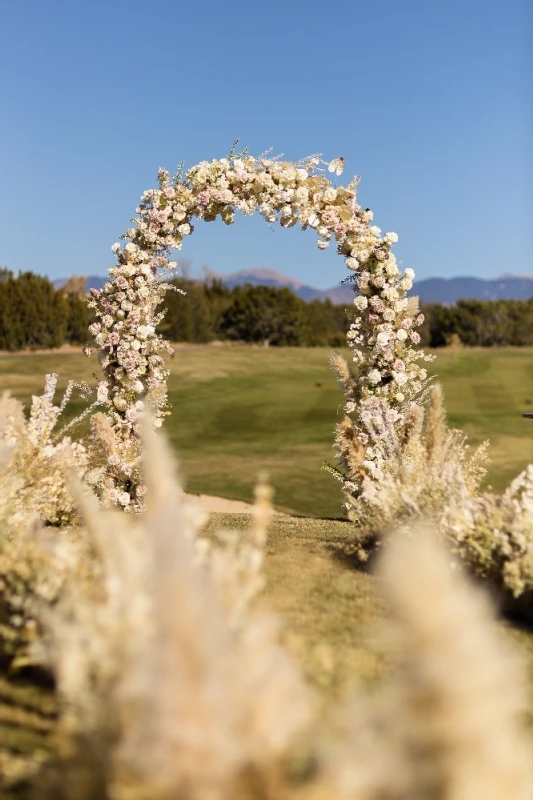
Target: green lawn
<point>237,410</point>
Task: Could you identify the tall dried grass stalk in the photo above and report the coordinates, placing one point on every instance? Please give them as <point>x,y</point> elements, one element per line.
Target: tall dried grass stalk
<point>37,458</point>
<point>166,657</point>
<point>448,724</point>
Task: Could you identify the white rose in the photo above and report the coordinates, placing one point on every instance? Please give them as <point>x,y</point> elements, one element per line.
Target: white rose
<point>124,499</point>
<point>352,263</point>
<point>400,378</point>
<point>360,303</point>
<point>391,237</point>
<point>410,273</point>
<point>302,174</point>
<point>401,335</point>
<point>374,376</point>
<point>101,392</point>
<point>391,270</point>
<point>375,230</point>
<point>399,397</point>
<point>144,331</point>
<point>330,195</point>
<point>407,284</point>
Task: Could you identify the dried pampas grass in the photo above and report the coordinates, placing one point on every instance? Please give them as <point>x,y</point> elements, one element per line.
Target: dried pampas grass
<point>448,724</point>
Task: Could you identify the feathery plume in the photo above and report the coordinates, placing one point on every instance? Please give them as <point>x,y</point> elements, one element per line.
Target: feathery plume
<point>448,726</point>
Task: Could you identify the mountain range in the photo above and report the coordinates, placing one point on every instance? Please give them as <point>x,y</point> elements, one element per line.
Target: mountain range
<point>431,290</point>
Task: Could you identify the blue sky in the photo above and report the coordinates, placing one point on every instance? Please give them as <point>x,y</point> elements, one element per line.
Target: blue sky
<point>429,101</point>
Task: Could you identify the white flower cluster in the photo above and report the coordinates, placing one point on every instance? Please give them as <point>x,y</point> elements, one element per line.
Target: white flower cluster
<point>130,355</point>
<point>284,192</point>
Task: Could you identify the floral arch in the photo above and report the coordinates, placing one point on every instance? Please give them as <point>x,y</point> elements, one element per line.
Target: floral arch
<point>382,333</point>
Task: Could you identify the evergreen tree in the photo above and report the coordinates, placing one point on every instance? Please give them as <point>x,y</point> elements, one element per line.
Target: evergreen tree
<point>264,314</point>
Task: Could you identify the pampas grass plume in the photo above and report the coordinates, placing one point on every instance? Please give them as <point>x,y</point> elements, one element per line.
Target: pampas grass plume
<point>448,725</point>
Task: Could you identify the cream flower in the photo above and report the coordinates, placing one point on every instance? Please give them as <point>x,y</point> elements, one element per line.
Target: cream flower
<point>336,166</point>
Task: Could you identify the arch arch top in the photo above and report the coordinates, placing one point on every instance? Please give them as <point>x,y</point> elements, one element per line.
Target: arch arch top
<point>382,334</point>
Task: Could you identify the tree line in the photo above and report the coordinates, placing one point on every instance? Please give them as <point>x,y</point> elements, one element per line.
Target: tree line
<point>479,323</point>
<point>34,315</point>
<point>258,314</point>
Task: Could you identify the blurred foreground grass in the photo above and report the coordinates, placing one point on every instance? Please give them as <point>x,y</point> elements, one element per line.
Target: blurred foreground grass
<point>331,613</point>
<point>238,410</point>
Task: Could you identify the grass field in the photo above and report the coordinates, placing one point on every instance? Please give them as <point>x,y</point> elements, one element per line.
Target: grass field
<point>237,410</point>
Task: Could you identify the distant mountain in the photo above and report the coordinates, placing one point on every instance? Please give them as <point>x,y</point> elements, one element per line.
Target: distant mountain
<point>267,277</point>
<point>430,290</point>
<point>91,282</point>
<point>450,290</point>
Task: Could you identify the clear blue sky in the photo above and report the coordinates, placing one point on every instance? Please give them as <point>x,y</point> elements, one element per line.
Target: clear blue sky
<point>430,101</point>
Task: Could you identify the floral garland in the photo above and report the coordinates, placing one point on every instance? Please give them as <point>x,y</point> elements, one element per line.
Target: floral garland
<point>381,336</point>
